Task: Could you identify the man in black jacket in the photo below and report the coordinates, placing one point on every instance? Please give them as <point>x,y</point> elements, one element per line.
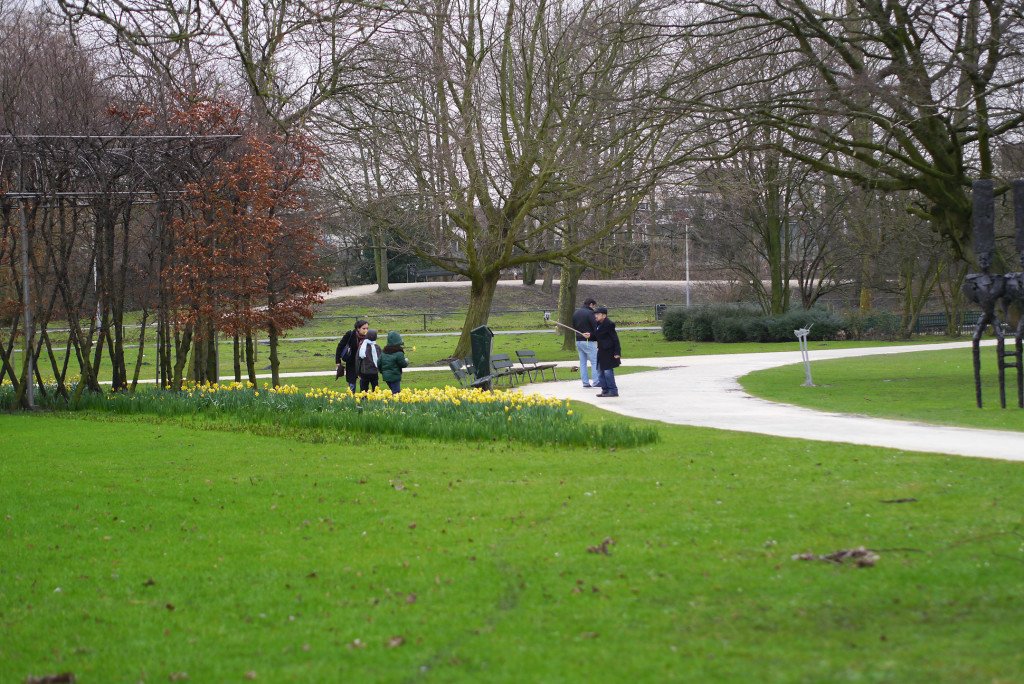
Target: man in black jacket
<point>609,352</point>
<point>584,322</point>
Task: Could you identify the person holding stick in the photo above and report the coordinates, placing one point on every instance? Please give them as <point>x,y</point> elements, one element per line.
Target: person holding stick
<point>609,352</point>
<point>584,324</point>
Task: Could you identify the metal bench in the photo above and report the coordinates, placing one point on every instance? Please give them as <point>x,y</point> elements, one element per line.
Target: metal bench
<point>528,360</point>
<point>465,377</point>
<point>502,367</point>
<point>938,322</point>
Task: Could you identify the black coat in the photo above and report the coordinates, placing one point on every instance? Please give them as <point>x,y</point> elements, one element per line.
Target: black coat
<point>584,321</point>
<point>608,346</point>
<point>351,340</point>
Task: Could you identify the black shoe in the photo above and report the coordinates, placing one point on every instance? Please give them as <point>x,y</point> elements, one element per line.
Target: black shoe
<point>605,394</point>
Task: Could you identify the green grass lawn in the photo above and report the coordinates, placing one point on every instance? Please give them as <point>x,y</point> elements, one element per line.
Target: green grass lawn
<point>935,387</point>
<point>138,551</point>
<point>304,356</point>
<point>297,355</point>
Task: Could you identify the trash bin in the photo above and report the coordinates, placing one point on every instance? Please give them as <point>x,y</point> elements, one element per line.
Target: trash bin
<point>480,339</point>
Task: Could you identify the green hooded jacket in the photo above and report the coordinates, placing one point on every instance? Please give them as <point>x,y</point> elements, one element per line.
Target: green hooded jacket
<point>393,360</point>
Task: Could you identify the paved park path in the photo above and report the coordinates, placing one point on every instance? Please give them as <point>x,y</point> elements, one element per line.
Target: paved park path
<point>705,391</point>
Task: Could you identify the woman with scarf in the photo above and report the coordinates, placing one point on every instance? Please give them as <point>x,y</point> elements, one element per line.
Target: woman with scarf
<point>345,355</point>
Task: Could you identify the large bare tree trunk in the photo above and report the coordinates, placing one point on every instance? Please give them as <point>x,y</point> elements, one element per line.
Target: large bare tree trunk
<point>548,285</point>
<point>481,294</point>
<point>568,286</point>
<point>380,262</point>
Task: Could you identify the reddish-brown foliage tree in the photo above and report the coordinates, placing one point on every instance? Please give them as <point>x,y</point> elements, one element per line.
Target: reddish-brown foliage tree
<point>245,254</point>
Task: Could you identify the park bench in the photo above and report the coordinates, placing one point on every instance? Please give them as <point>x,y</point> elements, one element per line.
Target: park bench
<point>528,360</point>
<point>465,376</point>
<point>502,367</point>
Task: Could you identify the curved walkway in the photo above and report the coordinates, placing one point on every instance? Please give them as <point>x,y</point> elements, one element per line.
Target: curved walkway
<point>362,290</point>
<point>704,391</point>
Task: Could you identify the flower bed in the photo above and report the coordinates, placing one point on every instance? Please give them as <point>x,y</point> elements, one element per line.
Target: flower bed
<point>443,413</point>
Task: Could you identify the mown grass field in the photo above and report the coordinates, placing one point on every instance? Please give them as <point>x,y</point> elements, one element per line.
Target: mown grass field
<point>932,387</point>
<point>141,551</point>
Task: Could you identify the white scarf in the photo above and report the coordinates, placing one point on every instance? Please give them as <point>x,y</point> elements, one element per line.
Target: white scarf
<point>369,344</point>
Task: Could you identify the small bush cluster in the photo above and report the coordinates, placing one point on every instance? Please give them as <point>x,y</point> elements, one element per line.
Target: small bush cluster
<point>442,413</point>
<point>732,323</point>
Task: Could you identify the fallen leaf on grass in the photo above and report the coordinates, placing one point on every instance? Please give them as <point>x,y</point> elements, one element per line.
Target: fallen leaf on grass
<point>396,641</point>
<point>398,485</point>
<point>178,676</point>
<point>356,643</point>
<point>909,500</point>
<point>251,674</point>
<point>602,548</point>
<point>860,556</point>
<point>62,678</point>
<point>148,583</point>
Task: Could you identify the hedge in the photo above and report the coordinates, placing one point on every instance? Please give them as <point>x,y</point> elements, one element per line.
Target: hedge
<point>737,323</point>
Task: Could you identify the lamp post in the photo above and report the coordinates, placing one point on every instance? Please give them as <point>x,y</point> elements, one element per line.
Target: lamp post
<point>686,249</point>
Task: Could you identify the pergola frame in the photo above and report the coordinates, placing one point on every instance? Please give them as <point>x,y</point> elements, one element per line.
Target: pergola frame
<point>22,195</point>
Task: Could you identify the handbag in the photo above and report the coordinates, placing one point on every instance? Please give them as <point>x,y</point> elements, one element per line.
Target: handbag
<point>346,354</point>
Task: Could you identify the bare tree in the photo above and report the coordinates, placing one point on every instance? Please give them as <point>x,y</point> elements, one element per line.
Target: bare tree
<point>897,96</point>
<point>517,120</point>
<point>292,57</point>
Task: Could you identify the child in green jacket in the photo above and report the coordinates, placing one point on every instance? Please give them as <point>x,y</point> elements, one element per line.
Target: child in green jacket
<point>392,361</point>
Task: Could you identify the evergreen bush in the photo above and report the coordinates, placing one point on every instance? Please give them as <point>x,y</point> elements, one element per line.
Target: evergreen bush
<point>730,329</point>
<point>672,323</point>
<point>755,329</point>
<point>823,324</point>
<point>698,326</point>
<point>872,325</point>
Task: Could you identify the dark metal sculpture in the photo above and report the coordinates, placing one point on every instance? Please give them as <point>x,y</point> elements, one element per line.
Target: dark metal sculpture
<point>987,289</point>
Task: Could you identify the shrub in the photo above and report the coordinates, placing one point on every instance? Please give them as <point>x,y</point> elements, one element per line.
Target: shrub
<point>672,323</point>
<point>730,329</point>
<point>755,329</point>
<point>823,324</point>
<point>698,326</point>
<point>872,325</point>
